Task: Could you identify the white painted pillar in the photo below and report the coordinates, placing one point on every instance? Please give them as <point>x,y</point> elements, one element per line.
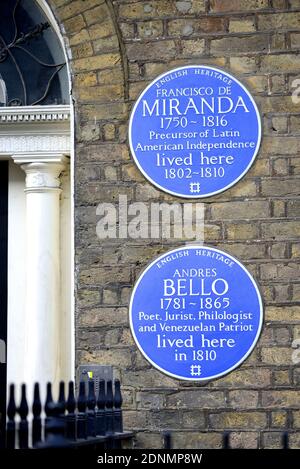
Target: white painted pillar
<point>42,303</point>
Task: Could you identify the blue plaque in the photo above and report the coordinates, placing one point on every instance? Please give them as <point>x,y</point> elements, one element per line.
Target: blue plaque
<point>196,313</point>
<point>194,131</point>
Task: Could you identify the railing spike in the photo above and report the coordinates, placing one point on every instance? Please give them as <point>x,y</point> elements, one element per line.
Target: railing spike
<point>91,404</point>
<point>109,404</point>
<point>71,417</point>
<point>101,395</point>
<point>48,407</point>
<point>81,416</point>
<point>118,420</point>
<point>167,440</point>
<point>285,440</point>
<point>91,400</point>
<point>11,408</point>
<point>100,412</point>
<point>71,402</point>
<point>61,403</point>
<point>36,410</point>
<point>11,425</point>
<point>23,425</point>
<point>37,405</point>
<point>226,440</point>
<point>49,400</point>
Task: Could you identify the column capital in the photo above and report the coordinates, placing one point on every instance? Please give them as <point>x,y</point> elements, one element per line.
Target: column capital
<point>42,171</point>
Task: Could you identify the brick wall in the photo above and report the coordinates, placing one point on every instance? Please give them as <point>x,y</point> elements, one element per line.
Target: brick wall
<point>117,48</point>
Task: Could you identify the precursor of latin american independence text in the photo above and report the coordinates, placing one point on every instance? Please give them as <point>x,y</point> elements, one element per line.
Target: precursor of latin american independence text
<point>200,145</point>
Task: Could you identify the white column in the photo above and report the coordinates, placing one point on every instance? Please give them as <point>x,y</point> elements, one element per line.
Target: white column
<point>42,304</point>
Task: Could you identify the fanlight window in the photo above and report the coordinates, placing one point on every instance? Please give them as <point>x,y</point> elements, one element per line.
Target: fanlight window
<point>32,64</point>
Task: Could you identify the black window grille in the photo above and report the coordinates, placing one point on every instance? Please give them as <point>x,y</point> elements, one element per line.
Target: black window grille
<point>32,64</point>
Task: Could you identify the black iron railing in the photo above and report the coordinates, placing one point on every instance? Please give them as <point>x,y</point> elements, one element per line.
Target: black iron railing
<point>85,421</point>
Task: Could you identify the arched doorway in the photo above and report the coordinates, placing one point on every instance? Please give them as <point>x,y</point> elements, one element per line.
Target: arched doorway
<point>36,318</point>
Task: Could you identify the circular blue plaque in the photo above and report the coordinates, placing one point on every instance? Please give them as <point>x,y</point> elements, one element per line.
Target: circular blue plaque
<point>194,131</point>
<point>196,313</point>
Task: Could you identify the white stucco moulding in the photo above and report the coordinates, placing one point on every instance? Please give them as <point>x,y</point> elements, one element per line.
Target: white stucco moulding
<point>35,131</point>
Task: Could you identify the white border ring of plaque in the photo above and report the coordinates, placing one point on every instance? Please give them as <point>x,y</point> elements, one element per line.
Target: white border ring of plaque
<point>194,131</point>
<point>196,313</point>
